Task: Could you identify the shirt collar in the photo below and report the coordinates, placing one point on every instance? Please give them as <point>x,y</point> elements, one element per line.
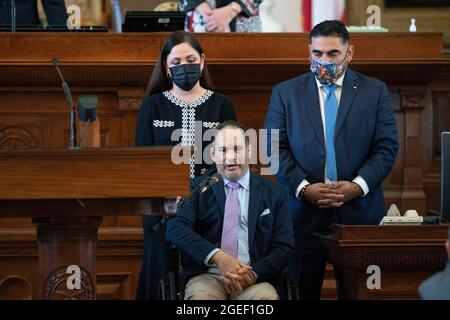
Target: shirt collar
<point>244,181</point>
<point>339,82</point>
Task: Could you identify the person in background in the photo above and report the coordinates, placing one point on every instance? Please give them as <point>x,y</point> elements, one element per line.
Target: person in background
<point>222,15</point>
<point>437,287</point>
<point>27,12</point>
<point>178,95</point>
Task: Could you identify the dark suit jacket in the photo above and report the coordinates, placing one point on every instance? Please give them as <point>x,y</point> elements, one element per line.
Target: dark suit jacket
<point>365,143</point>
<point>197,229</point>
<point>436,287</point>
<point>27,12</point>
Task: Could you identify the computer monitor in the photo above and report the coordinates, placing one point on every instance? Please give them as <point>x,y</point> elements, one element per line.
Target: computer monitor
<point>445,176</point>
<point>153,21</point>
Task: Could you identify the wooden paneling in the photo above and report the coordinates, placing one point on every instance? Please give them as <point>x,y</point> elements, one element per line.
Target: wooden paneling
<point>125,49</point>
<point>67,174</point>
<point>116,68</point>
<point>441,118</point>
<point>118,263</point>
<point>404,256</point>
<point>399,19</point>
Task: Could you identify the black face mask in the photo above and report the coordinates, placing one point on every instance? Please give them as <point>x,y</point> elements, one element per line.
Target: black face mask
<point>186,76</point>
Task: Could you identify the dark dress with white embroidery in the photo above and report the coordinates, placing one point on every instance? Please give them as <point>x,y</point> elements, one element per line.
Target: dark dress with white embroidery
<point>160,115</point>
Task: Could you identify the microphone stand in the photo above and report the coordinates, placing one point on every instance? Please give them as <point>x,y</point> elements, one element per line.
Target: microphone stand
<point>13,15</point>
<point>202,187</point>
<point>116,16</point>
<point>68,94</point>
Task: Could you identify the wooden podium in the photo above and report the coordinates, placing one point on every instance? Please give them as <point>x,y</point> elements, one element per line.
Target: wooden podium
<point>406,255</point>
<point>66,192</point>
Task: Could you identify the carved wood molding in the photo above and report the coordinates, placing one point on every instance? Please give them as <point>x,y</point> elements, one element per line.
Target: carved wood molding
<point>412,102</point>
<point>50,230</point>
<point>444,71</point>
<point>223,74</point>
<point>417,259</point>
<point>15,287</point>
<point>130,100</point>
<point>16,138</point>
<point>114,286</point>
<point>56,287</point>
<point>413,98</point>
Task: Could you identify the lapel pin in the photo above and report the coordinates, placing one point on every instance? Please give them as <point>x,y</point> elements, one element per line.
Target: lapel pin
<point>355,87</point>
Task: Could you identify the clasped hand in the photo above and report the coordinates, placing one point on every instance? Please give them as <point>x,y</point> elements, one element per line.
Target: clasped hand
<point>235,275</point>
<point>332,195</point>
<point>217,20</point>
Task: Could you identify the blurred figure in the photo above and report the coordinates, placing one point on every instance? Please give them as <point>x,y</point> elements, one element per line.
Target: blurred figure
<point>222,15</point>
<point>27,12</point>
<point>437,287</point>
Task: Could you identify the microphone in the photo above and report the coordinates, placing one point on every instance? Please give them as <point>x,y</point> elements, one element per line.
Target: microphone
<point>87,117</point>
<point>202,187</point>
<point>211,181</point>
<point>13,15</point>
<point>68,94</point>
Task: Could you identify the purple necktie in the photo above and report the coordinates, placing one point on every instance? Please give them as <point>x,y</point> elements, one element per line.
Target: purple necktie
<point>231,221</point>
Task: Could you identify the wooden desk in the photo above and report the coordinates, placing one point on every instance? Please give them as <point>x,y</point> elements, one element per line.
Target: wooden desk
<point>405,255</point>
<point>67,192</point>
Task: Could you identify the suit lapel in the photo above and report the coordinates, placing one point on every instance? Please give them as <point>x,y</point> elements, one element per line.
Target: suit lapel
<point>349,88</point>
<point>219,192</point>
<point>311,97</point>
<point>256,192</point>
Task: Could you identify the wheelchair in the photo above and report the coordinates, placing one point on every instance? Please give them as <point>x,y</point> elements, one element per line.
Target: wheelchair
<point>172,287</point>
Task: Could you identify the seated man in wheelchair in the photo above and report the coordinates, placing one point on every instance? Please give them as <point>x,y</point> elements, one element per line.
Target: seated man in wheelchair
<point>236,232</point>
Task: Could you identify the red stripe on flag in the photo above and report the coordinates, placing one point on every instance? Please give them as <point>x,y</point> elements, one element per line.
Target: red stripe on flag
<point>191,22</point>
<point>344,19</point>
<point>307,15</point>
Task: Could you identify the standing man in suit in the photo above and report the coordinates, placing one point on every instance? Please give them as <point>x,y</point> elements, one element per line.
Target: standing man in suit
<point>27,12</point>
<point>338,142</point>
<point>236,237</point>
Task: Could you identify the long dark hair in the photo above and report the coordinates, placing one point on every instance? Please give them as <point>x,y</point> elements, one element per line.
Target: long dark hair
<point>159,81</point>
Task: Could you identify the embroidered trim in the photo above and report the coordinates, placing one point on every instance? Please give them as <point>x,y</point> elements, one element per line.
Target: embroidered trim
<point>183,104</point>
<point>188,120</point>
<point>210,125</point>
<point>163,123</point>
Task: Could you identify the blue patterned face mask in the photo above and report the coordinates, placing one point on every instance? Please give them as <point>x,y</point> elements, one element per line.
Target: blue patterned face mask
<point>328,72</point>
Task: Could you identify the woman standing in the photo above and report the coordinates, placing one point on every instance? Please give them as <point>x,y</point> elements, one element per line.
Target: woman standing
<point>178,95</point>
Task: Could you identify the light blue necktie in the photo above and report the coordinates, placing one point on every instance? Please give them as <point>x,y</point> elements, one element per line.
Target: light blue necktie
<point>331,107</point>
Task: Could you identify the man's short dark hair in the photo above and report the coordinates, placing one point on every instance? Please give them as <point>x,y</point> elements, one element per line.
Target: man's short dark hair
<point>330,28</point>
<point>235,125</point>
